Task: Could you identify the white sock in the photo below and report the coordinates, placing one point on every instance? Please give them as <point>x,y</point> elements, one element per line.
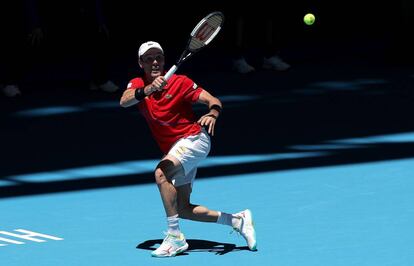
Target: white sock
<point>228,219</point>
<point>173,226</point>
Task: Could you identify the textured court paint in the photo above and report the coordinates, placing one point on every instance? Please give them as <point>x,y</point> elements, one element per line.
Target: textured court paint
<point>358,214</point>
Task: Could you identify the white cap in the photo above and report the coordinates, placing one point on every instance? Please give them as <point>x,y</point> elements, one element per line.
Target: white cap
<point>148,45</point>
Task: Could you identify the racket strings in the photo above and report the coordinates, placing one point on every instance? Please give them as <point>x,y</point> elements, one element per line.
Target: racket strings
<point>196,44</point>
<point>215,20</point>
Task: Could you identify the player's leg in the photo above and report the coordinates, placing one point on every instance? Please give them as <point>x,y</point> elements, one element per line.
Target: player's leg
<point>242,222</point>
<point>166,169</point>
<point>275,39</point>
<point>189,211</point>
<point>175,170</point>
<point>174,241</point>
<point>238,52</point>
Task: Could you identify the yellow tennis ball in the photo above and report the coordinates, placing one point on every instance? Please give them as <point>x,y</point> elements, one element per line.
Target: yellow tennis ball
<point>309,19</point>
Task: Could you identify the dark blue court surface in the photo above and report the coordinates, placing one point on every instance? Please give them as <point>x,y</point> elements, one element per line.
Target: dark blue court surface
<point>322,154</point>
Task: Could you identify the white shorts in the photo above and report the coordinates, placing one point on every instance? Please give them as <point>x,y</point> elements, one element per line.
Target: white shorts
<point>190,151</point>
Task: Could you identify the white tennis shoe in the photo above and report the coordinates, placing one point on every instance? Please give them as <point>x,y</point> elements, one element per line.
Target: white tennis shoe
<point>246,228</point>
<point>171,246</point>
<point>275,63</point>
<point>108,86</point>
<point>11,91</point>
<point>241,66</point>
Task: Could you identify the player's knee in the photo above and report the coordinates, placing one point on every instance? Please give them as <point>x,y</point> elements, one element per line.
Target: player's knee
<point>160,177</point>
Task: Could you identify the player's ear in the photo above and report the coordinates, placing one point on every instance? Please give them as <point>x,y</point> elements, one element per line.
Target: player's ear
<point>140,63</point>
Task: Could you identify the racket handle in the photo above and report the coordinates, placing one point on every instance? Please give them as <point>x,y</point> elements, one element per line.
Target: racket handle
<point>170,72</point>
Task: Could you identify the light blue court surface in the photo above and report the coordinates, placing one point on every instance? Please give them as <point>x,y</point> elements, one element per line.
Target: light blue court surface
<point>356,214</point>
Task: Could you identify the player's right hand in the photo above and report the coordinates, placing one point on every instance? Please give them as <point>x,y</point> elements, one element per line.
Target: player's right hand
<point>158,84</point>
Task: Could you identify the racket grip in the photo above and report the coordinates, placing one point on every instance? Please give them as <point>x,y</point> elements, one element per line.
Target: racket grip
<point>170,72</point>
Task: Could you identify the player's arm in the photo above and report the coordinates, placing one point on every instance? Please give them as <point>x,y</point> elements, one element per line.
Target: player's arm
<point>128,98</point>
<point>214,105</point>
<point>134,96</point>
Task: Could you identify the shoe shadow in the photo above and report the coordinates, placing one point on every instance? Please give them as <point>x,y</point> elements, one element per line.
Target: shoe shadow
<point>197,245</point>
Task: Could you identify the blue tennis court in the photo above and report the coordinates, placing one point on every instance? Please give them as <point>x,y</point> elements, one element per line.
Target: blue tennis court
<point>343,215</point>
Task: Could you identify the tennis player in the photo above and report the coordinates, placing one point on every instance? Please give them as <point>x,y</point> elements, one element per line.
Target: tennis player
<point>184,141</point>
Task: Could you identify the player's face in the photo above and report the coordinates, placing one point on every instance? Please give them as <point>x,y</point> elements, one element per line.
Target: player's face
<point>153,63</point>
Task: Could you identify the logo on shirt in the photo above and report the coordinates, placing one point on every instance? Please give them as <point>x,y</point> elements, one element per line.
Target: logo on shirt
<point>195,86</point>
<point>168,96</point>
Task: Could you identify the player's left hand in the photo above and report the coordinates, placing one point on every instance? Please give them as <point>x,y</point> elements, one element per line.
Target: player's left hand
<point>208,120</point>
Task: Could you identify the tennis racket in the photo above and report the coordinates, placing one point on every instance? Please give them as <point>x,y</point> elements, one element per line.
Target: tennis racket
<point>201,36</point>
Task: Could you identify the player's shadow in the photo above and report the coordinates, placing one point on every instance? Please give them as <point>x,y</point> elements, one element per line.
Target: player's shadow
<point>196,245</point>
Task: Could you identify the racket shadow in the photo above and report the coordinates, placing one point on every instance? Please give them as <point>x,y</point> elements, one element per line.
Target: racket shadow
<point>197,245</point>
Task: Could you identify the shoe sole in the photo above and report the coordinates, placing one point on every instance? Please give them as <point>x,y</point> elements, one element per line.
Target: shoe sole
<point>180,250</point>
<point>249,213</point>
